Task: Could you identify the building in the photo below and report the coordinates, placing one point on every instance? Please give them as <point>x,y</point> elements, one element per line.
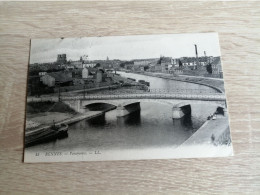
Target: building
<point>166,63</point>
<point>136,68</point>
<point>216,67</point>
<point>33,85</point>
<point>158,68</point>
<point>86,65</point>
<point>192,61</point>
<point>48,80</point>
<point>144,62</point>
<point>56,78</point>
<point>77,73</point>
<point>88,73</point>
<point>99,75</point>
<point>85,73</point>
<point>77,64</point>
<point>69,67</point>
<point>42,74</point>
<point>61,58</point>
<point>77,81</point>
<point>178,71</point>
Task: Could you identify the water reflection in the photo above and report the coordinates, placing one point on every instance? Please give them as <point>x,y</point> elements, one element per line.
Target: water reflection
<point>98,121</point>
<point>187,120</point>
<point>133,119</point>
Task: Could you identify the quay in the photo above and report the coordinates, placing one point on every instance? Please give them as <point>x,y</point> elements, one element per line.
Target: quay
<point>211,132</point>
<point>41,129</point>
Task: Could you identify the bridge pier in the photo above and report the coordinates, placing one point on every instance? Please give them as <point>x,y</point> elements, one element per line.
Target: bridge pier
<point>225,112</point>
<point>127,109</point>
<point>179,112</point>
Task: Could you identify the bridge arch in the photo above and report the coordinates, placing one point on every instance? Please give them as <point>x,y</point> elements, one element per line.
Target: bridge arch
<point>100,106</point>
<point>221,110</point>
<point>128,108</point>
<point>184,108</point>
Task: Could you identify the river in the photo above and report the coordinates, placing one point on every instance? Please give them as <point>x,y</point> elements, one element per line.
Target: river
<point>152,127</point>
<point>160,83</point>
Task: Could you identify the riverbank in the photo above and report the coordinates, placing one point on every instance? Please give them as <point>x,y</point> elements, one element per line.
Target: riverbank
<point>38,107</point>
<point>45,133</point>
<point>73,119</point>
<point>216,84</point>
<point>43,113</point>
<point>214,132</point>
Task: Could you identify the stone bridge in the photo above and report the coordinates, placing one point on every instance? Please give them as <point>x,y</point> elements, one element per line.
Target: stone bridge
<point>124,107</point>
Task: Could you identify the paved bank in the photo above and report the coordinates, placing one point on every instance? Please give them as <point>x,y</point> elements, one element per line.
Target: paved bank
<point>79,117</point>
<point>211,132</point>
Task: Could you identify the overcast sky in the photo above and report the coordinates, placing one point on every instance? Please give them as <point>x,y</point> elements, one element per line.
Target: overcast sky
<point>125,47</point>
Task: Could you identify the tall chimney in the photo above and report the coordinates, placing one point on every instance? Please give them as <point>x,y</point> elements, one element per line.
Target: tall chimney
<point>197,59</point>
<point>196,51</point>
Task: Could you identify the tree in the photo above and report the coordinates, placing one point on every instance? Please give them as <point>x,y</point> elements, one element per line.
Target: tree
<point>209,68</point>
<point>146,67</point>
<point>122,65</point>
<point>97,65</point>
<point>180,63</point>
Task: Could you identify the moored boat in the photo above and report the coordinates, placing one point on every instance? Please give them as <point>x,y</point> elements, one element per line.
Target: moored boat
<point>61,129</point>
<point>46,135</point>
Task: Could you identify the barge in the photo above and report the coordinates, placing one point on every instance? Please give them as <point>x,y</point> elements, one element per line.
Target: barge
<point>45,135</point>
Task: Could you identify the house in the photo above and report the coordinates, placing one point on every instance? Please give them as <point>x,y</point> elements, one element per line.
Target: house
<point>77,73</point>
<point>166,63</point>
<point>42,73</point>
<point>192,61</point>
<point>48,80</point>
<point>85,73</point>
<point>88,73</point>
<point>56,78</point>
<point>100,75</point>
<point>144,62</point>
<point>87,65</point>
<point>77,81</point>
<point>69,67</point>
<point>77,64</point>
<point>216,67</point>
<point>152,66</point>
<point>158,68</point>
<point>136,68</point>
<point>178,71</point>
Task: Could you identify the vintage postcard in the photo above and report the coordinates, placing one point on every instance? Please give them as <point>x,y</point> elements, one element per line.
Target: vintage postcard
<point>126,98</point>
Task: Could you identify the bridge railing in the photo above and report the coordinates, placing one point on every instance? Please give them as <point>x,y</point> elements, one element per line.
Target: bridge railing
<point>211,97</point>
<point>183,91</point>
<point>152,91</point>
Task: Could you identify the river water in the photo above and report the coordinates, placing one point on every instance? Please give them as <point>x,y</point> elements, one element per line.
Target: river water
<point>152,127</point>
<point>160,83</point>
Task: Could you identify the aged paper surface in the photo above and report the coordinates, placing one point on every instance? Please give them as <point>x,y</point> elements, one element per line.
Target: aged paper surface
<point>126,98</point>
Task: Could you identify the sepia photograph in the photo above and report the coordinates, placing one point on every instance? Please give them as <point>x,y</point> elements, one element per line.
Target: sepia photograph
<point>126,98</point>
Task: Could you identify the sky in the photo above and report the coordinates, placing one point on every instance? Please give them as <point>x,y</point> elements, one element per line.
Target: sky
<point>125,47</point>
